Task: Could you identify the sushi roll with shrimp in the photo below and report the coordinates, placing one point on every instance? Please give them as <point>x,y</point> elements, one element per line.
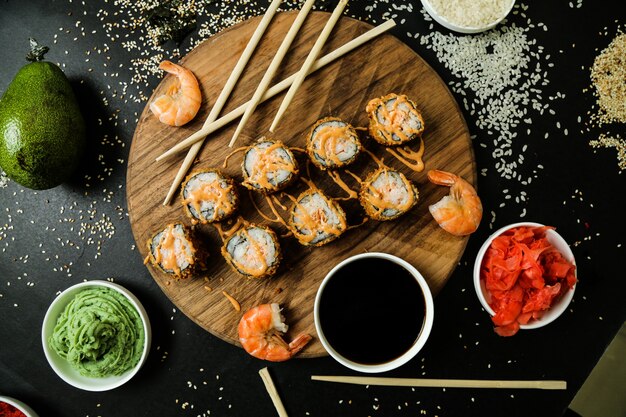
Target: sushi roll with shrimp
<point>209,196</point>
<point>268,166</point>
<point>175,251</point>
<point>332,143</point>
<point>253,251</point>
<point>315,219</point>
<point>387,194</point>
<point>394,120</point>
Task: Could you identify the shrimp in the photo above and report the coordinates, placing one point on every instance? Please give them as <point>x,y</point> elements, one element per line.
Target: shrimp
<point>182,100</point>
<point>460,212</point>
<point>260,331</point>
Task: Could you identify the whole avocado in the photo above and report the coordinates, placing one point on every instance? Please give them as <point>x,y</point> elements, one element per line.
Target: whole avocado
<point>42,131</point>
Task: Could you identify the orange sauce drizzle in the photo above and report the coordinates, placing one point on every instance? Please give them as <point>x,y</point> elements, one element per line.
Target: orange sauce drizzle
<point>225,164</point>
<point>378,200</point>
<point>406,155</point>
<point>354,226</point>
<point>327,139</point>
<point>258,253</point>
<point>211,192</point>
<point>270,203</point>
<point>337,179</point>
<point>269,161</point>
<point>394,118</point>
<point>277,219</point>
<point>379,162</point>
<point>316,221</point>
<point>232,300</point>
<point>356,177</point>
<point>225,234</point>
<point>277,201</point>
<point>168,243</point>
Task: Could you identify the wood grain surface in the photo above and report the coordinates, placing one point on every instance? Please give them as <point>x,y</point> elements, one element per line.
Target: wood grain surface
<point>341,89</point>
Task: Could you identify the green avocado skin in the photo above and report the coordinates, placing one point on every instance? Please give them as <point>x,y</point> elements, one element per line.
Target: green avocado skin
<point>42,131</point>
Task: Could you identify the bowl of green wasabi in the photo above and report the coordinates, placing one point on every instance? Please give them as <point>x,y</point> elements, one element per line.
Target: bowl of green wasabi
<point>96,335</point>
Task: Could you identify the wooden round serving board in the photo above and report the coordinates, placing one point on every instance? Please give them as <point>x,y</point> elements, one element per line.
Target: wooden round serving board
<point>341,89</point>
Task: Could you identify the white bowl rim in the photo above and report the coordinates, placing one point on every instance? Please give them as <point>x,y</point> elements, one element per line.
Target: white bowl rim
<point>71,376</point>
<point>422,337</point>
<point>464,29</point>
<point>555,311</point>
<point>23,407</point>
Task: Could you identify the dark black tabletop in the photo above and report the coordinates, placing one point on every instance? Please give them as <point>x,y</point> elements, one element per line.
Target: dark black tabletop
<point>535,163</point>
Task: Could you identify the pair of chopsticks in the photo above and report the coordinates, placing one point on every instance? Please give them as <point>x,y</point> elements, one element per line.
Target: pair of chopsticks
<point>223,97</point>
<point>413,382</point>
<point>195,141</point>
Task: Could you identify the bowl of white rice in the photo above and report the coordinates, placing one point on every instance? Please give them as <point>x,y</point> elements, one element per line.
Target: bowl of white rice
<point>468,16</point>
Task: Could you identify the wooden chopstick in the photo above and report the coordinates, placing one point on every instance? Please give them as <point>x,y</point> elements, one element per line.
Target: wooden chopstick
<point>271,390</point>
<point>310,59</point>
<point>443,383</point>
<point>273,67</point>
<point>221,100</point>
<point>278,88</point>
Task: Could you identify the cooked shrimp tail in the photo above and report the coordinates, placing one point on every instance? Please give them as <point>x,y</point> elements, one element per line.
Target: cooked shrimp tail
<point>299,343</point>
<point>260,332</point>
<point>460,212</point>
<point>181,101</point>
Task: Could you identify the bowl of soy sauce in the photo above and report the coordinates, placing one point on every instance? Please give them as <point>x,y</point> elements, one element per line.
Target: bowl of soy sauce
<point>373,312</point>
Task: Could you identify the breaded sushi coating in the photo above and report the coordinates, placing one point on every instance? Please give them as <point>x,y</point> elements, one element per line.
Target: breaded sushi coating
<point>332,143</point>
<point>315,219</point>
<point>268,166</point>
<point>394,120</point>
<point>209,196</point>
<point>175,251</point>
<point>253,251</point>
<point>387,194</point>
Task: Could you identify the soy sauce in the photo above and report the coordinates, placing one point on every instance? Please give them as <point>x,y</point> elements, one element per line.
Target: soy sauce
<point>372,311</point>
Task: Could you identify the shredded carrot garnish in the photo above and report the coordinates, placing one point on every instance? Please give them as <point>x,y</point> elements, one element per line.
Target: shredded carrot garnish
<point>234,302</point>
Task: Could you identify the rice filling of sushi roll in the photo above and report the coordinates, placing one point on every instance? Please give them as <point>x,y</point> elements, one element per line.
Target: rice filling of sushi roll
<point>173,251</point>
<point>268,166</point>
<point>332,143</point>
<point>394,119</point>
<point>253,251</point>
<point>315,219</point>
<point>208,196</point>
<point>387,194</point>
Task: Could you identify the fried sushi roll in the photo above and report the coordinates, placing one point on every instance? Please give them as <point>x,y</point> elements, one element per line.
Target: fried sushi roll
<point>387,194</point>
<point>315,219</point>
<point>209,196</point>
<point>253,251</point>
<point>332,143</point>
<point>174,251</point>
<point>394,119</point>
<point>268,166</point>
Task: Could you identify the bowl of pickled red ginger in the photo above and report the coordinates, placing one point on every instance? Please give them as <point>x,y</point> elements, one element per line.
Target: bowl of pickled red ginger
<point>524,276</point>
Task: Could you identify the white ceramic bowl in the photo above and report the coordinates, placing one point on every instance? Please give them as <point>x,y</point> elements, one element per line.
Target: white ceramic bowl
<point>558,307</point>
<point>463,29</point>
<point>63,367</point>
<point>422,337</point>
<point>28,412</point>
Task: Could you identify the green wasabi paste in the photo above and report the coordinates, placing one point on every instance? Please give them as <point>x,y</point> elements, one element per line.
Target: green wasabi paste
<point>99,333</point>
